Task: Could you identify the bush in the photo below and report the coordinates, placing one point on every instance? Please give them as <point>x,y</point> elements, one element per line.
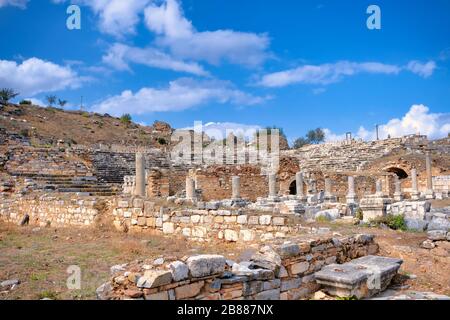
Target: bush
<point>25,102</point>
<point>396,222</point>
<point>126,118</point>
<point>359,214</point>
<point>7,94</point>
<point>162,141</point>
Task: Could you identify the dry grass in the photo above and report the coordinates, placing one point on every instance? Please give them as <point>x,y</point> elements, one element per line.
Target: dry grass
<point>40,258</point>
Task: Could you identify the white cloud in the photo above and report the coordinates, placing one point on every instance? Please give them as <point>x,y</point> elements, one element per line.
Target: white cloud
<point>22,4</point>
<point>418,120</point>
<point>325,73</point>
<point>181,94</point>
<point>34,76</point>
<point>422,69</point>
<point>179,35</point>
<point>117,17</point>
<point>328,73</point>
<point>120,55</point>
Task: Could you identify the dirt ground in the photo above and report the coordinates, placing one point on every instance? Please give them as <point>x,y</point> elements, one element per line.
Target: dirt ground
<point>39,258</point>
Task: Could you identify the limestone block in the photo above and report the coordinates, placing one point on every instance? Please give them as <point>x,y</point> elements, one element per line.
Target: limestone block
<point>168,228</point>
<point>205,265</point>
<point>265,220</point>
<point>300,267</point>
<point>231,235</point>
<point>242,219</point>
<point>154,278</point>
<point>189,291</point>
<point>290,284</point>
<point>179,270</point>
<point>247,235</point>
<point>199,232</point>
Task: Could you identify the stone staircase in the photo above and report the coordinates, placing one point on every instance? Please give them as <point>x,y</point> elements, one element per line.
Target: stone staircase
<point>88,185</point>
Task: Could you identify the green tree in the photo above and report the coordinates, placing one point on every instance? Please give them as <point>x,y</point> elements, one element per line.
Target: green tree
<point>62,103</point>
<point>51,100</point>
<point>126,118</point>
<point>7,94</point>
<point>315,136</point>
<point>300,142</point>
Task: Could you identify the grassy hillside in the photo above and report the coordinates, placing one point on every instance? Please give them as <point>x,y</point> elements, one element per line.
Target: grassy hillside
<point>48,125</point>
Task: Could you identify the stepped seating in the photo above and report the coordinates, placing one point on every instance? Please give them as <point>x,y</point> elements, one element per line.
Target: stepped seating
<point>88,185</point>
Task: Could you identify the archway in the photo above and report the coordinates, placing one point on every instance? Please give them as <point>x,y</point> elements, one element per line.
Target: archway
<point>401,174</point>
<point>293,188</point>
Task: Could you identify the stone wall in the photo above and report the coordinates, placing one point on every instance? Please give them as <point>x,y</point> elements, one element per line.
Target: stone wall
<point>136,214</point>
<point>441,184</point>
<point>46,210</point>
<point>275,272</point>
<point>215,182</point>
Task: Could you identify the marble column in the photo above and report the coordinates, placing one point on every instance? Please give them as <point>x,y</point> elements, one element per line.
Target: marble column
<point>379,187</point>
<point>398,196</point>
<point>140,175</point>
<point>429,192</point>
<point>236,187</point>
<point>272,185</point>
<point>299,186</point>
<point>415,191</point>
<point>351,195</point>
<point>190,188</point>
<point>328,195</point>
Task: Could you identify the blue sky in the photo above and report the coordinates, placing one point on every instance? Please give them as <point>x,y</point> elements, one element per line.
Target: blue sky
<point>293,64</point>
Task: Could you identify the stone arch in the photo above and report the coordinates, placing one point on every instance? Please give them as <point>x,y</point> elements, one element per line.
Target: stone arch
<point>293,188</point>
<point>401,174</point>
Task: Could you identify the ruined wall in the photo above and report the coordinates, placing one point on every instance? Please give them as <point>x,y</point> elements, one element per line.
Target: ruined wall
<point>276,272</point>
<point>46,210</point>
<point>135,214</point>
<point>215,182</point>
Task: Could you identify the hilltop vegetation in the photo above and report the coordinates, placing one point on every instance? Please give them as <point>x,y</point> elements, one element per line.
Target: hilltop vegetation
<point>49,125</point>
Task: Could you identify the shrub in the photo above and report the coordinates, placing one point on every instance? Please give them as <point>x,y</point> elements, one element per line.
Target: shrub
<point>396,222</point>
<point>162,141</point>
<point>25,102</point>
<point>126,118</point>
<point>7,94</point>
<point>359,214</point>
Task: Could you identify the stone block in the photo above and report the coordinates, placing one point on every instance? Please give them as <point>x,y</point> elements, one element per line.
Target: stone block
<point>242,219</point>
<point>206,265</point>
<point>163,295</point>
<point>265,220</point>
<point>154,279</point>
<point>300,267</point>
<point>179,270</point>
<point>231,235</point>
<point>289,284</point>
<point>189,290</point>
<point>168,228</point>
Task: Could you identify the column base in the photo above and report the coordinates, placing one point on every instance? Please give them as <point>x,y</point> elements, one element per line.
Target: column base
<point>398,197</point>
<point>415,195</point>
<point>429,195</point>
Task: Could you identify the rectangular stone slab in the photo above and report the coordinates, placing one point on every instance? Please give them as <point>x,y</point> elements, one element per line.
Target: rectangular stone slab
<point>361,277</point>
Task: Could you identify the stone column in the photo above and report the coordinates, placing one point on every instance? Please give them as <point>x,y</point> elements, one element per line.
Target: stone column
<point>272,186</point>
<point>140,175</point>
<point>379,187</point>
<point>351,195</point>
<point>429,192</point>
<point>415,192</point>
<point>299,186</point>
<point>190,188</point>
<point>328,195</point>
<point>236,187</point>
<point>398,196</point>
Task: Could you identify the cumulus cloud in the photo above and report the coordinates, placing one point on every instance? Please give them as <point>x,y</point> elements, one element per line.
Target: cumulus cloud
<point>325,73</point>
<point>328,73</point>
<point>179,35</point>
<point>181,94</point>
<point>418,120</point>
<point>34,76</point>
<point>120,56</point>
<point>117,17</point>
<point>422,69</point>
<point>22,4</point>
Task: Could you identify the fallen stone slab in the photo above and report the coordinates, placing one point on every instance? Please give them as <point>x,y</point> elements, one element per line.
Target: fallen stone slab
<point>437,235</point>
<point>360,278</point>
<point>409,295</point>
<point>206,265</point>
